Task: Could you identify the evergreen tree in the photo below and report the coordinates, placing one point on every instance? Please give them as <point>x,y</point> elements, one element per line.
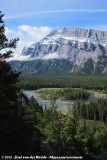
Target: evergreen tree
<point>8,89</point>
<point>7,77</point>
<point>18,125</point>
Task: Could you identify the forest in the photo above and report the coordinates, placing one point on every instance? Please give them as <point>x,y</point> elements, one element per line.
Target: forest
<point>98,83</point>
<point>26,129</point>
<point>94,110</point>
<point>62,93</point>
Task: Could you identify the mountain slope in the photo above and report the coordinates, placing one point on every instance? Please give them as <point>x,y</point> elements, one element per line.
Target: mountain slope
<point>85,50</point>
<point>43,67</point>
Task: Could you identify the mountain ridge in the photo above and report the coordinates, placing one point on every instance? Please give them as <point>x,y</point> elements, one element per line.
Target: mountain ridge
<point>74,45</point>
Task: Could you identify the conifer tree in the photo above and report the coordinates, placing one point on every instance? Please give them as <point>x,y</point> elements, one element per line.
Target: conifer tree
<point>18,133</point>
<point>8,90</point>
<point>7,77</point>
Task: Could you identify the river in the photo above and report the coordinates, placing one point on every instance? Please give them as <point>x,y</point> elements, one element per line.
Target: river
<point>62,105</point>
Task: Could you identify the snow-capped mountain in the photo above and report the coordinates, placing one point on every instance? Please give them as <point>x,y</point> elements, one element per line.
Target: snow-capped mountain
<point>74,44</point>
<point>78,46</point>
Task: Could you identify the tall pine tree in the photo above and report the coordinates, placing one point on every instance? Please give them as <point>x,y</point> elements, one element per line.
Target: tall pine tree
<point>7,77</point>
<point>18,131</point>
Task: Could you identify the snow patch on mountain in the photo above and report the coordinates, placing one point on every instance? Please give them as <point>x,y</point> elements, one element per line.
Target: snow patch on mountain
<point>58,38</point>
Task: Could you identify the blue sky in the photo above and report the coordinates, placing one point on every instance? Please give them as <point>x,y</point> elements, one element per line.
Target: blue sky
<point>31,20</point>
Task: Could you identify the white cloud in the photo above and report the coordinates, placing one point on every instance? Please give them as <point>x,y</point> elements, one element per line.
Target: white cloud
<point>28,57</point>
<point>12,33</point>
<point>21,45</point>
<point>19,58</point>
<point>35,33</point>
<point>30,14</point>
<point>51,56</point>
<point>27,35</point>
<point>20,33</point>
<point>8,31</point>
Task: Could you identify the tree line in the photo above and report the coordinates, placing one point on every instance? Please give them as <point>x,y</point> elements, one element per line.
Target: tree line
<point>93,110</point>
<point>85,82</point>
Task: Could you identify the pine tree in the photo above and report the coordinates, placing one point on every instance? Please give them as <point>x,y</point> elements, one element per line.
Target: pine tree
<point>7,77</point>
<point>8,90</point>
<point>18,132</point>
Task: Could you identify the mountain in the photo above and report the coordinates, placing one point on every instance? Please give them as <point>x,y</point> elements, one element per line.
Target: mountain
<point>84,51</point>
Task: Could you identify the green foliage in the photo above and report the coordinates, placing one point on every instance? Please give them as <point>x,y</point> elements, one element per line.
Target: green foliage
<point>43,67</point>
<point>19,134</point>
<point>70,136</point>
<point>60,67</point>
<point>94,110</point>
<point>84,82</point>
<point>87,67</point>
<point>63,93</point>
<point>100,65</point>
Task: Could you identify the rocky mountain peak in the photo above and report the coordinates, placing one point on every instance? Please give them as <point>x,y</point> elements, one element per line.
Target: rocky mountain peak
<point>74,48</point>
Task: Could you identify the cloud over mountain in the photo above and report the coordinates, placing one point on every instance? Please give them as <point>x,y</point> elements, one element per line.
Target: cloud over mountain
<point>27,35</point>
<point>35,33</point>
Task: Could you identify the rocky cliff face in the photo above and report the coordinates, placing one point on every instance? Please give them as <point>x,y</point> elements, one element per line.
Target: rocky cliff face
<point>75,44</point>
<point>85,50</point>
